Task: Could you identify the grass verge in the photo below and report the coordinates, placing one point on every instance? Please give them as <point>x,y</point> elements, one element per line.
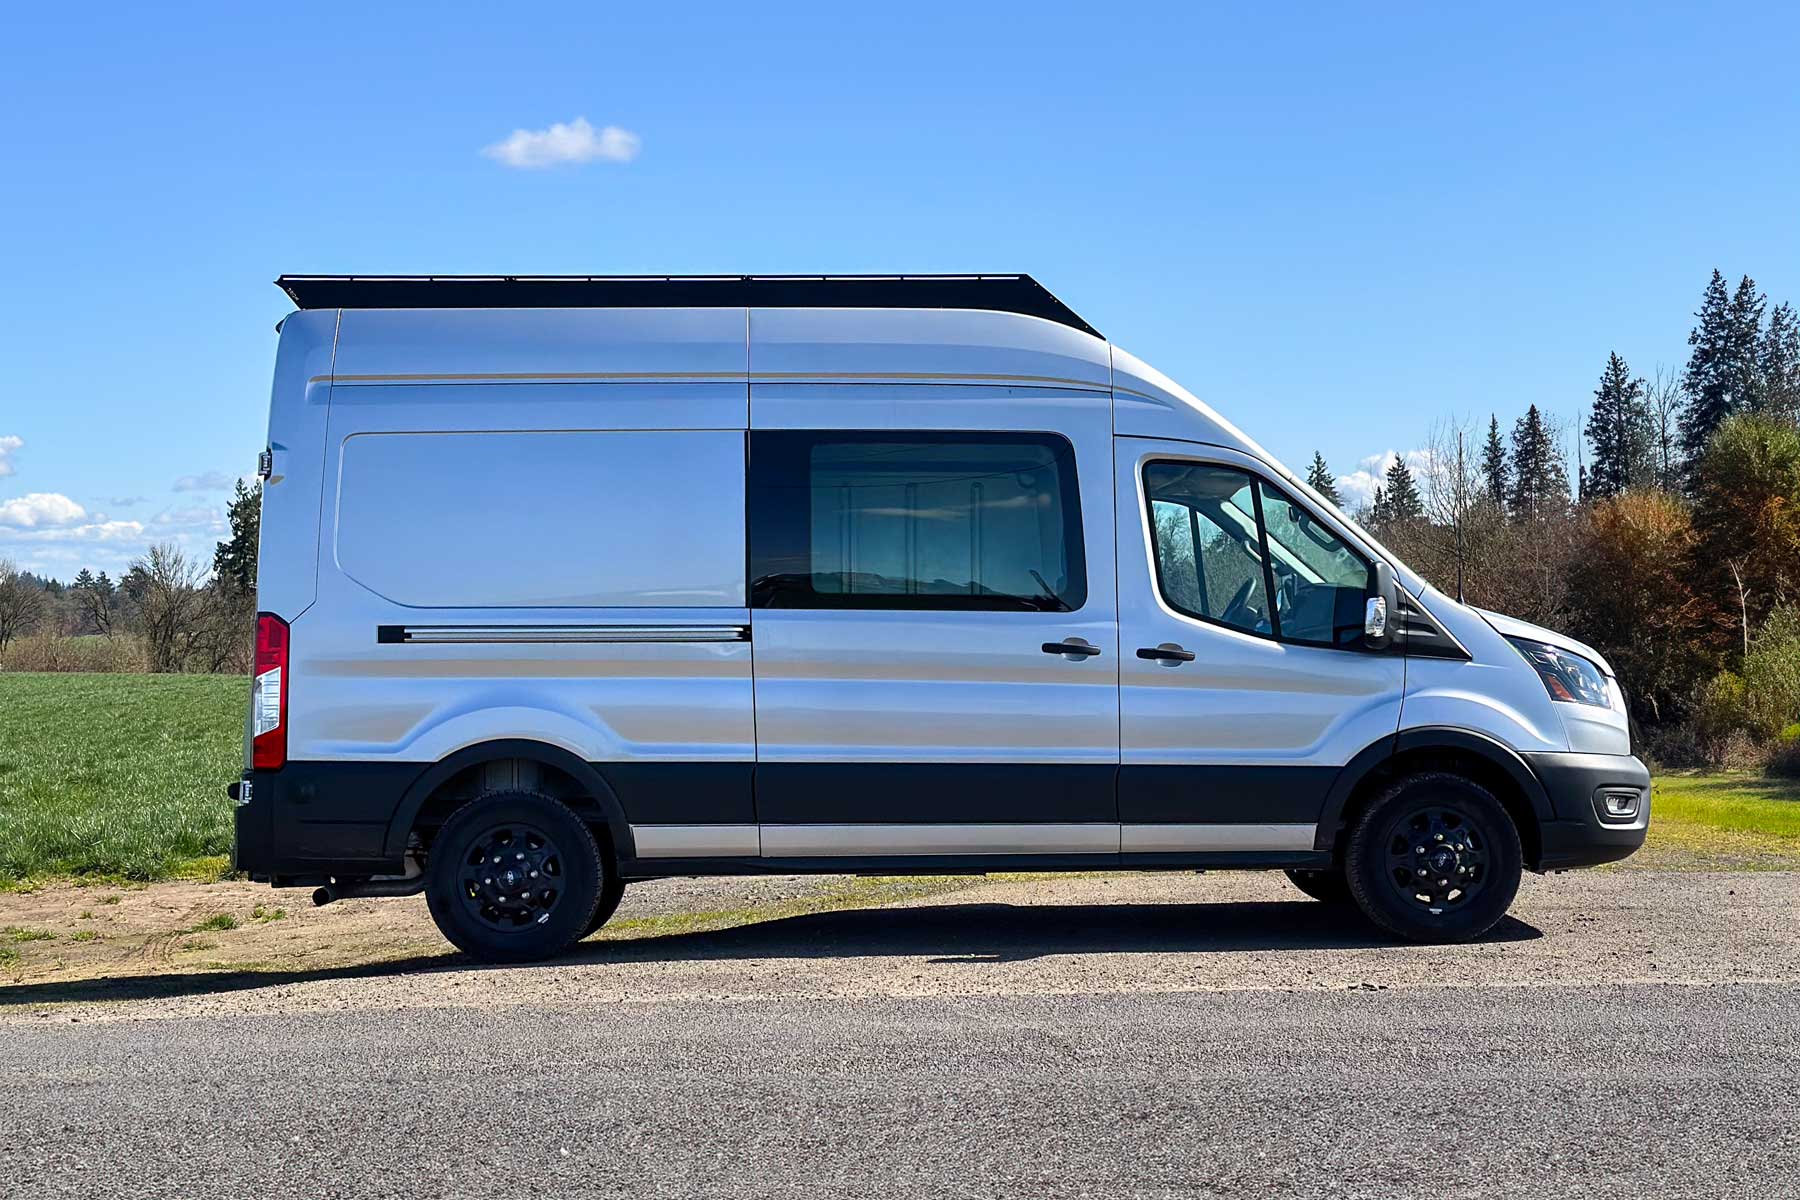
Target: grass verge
<point>1726,821</point>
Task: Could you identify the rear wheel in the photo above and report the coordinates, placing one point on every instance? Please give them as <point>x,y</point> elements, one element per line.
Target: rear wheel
<point>1435,858</point>
<point>514,877</point>
<point>1328,886</point>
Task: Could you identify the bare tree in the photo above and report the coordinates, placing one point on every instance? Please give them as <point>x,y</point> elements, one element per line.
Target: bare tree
<point>94,604</point>
<point>1456,503</point>
<point>1663,397</point>
<point>21,602</point>
<point>172,606</point>
<point>1743,595</point>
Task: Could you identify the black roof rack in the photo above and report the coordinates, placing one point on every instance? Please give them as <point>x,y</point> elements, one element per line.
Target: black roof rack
<point>997,293</point>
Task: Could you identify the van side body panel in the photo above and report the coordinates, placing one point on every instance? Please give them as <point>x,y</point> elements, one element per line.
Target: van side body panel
<point>485,562</point>
<point>525,536</point>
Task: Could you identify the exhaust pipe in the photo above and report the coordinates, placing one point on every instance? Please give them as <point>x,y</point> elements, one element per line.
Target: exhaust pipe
<point>410,885</point>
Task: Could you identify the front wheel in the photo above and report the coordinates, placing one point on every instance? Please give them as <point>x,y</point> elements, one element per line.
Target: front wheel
<point>611,892</point>
<point>1435,858</point>
<point>514,877</point>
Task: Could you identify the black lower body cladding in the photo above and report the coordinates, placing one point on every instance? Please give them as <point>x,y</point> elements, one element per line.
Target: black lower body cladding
<point>1586,831</point>
<point>313,819</point>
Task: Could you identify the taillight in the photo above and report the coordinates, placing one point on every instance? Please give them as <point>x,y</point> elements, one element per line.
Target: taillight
<point>268,694</point>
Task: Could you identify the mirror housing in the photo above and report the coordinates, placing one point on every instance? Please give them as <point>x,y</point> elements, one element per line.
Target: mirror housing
<point>1381,609</point>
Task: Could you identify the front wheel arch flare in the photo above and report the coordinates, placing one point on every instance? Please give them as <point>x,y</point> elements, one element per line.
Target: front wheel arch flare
<point>1490,763</point>
<point>436,776</point>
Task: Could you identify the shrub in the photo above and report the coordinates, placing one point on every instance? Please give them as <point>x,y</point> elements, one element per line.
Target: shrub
<point>1721,712</point>
<point>1772,675</point>
<point>54,652</point>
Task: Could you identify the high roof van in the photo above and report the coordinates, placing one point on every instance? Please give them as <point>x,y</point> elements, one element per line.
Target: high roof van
<point>570,582</point>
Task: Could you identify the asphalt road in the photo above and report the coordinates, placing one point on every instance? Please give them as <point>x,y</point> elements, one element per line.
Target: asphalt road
<point>1430,1080</point>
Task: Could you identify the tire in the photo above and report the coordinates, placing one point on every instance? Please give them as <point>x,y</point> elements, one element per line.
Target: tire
<point>611,892</point>
<point>1434,858</point>
<point>1326,886</point>
<point>499,919</point>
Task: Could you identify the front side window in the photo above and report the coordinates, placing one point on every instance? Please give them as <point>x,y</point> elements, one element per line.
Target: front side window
<point>1235,551</point>
<point>877,520</point>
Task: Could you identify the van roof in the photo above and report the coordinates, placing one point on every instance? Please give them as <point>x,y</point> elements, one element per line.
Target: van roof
<point>996,293</point>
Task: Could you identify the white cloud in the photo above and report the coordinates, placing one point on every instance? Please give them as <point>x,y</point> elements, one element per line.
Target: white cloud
<point>575,142</point>
<point>8,444</point>
<point>1358,487</point>
<point>88,531</point>
<point>198,518</point>
<point>40,510</point>
<point>206,481</point>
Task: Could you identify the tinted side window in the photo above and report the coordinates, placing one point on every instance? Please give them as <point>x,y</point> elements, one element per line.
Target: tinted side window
<point>1320,582</point>
<point>875,520</point>
<point>1233,550</point>
<point>1208,555</point>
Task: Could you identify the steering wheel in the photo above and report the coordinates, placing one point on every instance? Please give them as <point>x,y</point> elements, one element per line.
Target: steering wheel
<point>1238,608</point>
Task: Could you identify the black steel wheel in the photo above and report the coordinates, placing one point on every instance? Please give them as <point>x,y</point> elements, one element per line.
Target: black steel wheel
<point>611,892</point>
<point>1434,858</point>
<point>514,877</point>
<point>1327,886</point>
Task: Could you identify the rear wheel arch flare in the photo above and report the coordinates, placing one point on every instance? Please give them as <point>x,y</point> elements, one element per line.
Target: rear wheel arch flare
<point>1488,762</point>
<point>591,786</point>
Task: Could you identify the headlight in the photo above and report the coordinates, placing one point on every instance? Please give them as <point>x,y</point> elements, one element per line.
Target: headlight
<point>1568,677</point>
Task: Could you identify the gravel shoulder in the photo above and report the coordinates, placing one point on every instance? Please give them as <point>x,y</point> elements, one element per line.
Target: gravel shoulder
<point>779,938</point>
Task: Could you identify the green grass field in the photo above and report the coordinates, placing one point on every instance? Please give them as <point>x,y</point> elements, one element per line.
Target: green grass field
<point>1736,821</point>
<point>117,775</point>
<point>124,776</point>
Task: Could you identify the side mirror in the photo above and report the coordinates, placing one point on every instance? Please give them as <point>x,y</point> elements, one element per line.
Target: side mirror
<point>1380,609</point>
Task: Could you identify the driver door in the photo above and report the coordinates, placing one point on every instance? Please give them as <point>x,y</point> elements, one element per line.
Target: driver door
<point>1244,684</point>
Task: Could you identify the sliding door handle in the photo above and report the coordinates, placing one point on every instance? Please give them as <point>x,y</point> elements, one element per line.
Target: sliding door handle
<point>1073,649</point>
<point>1168,652</point>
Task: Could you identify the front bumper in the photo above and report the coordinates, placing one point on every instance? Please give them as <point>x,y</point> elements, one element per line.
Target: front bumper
<point>1585,831</point>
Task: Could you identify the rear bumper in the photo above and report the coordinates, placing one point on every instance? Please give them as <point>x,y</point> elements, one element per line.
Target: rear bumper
<point>1583,832</point>
<point>309,821</point>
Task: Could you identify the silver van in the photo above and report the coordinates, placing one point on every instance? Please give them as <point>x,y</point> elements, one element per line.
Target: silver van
<point>569,582</point>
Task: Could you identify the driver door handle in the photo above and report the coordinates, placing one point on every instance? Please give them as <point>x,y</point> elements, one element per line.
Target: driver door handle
<point>1166,653</point>
<point>1081,649</point>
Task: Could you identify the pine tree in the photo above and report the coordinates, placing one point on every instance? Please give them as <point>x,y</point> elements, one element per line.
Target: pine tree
<point>1722,369</point>
<point>1747,306</point>
<point>1619,428</point>
<point>234,561</point>
<point>1318,478</point>
<point>1778,363</point>
<point>1400,495</point>
<point>1493,466</point>
<point>1540,477</point>
<point>1707,380</point>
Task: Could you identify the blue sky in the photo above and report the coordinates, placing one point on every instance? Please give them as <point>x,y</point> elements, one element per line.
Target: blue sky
<point>1334,224</point>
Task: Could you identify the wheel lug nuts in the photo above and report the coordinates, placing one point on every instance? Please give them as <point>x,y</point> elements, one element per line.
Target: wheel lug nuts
<point>488,882</point>
<point>1443,882</point>
<point>520,857</point>
<point>1421,872</point>
<point>1418,849</point>
<point>1439,837</point>
<point>534,874</point>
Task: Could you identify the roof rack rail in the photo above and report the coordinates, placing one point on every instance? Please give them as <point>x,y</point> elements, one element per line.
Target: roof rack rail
<point>996,293</point>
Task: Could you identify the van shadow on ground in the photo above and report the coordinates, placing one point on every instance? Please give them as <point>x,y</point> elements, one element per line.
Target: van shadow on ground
<point>946,934</point>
